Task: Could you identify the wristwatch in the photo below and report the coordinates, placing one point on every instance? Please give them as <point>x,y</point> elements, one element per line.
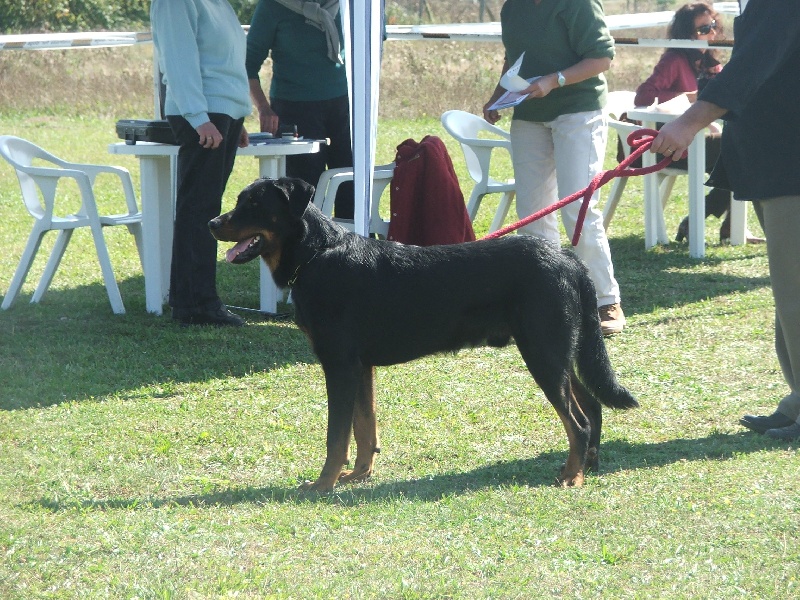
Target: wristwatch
<point>562,81</point>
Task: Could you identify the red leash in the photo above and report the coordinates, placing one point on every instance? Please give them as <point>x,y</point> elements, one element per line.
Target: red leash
<point>640,141</point>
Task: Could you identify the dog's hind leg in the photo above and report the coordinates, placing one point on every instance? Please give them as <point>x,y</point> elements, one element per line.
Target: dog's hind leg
<point>365,429</point>
<point>552,372</point>
<point>594,412</point>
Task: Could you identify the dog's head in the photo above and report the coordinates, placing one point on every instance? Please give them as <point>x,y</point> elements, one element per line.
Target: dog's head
<point>267,212</point>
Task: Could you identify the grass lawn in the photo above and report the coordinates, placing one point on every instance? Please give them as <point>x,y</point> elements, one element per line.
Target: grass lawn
<point>143,460</point>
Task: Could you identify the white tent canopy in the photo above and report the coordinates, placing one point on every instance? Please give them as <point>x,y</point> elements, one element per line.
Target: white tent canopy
<point>363,56</point>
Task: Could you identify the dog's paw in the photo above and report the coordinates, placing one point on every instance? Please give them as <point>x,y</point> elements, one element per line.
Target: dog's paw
<point>570,481</point>
<point>355,475</point>
<point>317,487</point>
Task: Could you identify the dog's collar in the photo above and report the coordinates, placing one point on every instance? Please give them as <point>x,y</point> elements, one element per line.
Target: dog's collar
<point>293,280</point>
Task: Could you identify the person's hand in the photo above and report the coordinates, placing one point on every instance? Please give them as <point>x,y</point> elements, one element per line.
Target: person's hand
<point>491,116</point>
<point>673,140</point>
<point>210,137</point>
<point>268,120</point>
<point>244,139</point>
<point>541,86</point>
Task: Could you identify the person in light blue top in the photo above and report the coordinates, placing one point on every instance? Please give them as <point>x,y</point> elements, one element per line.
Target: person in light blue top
<point>201,50</point>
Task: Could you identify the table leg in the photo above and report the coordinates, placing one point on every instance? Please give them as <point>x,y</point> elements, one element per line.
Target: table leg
<point>652,208</point>
<point>272,167</point>
<point>697,197</point>
<point>157,224</point>
<point>738,222</point>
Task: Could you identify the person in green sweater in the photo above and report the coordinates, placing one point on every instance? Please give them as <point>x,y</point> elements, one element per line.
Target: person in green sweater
<point>309,84</point>
<point>201,48</point>
<point>559,133</point>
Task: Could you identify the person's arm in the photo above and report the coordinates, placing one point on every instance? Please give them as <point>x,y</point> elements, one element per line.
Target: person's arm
<point>493,116</point>
<point>260,40</point>
<point>673,138</point>
<point>580,71</point>
<point>179,56</point>
<point>670,77</point>
<point>267,119</point>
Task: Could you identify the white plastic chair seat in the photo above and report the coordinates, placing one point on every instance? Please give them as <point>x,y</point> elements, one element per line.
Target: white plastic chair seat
<point>38,185</point>
<point>466,129</point>
<point>329,183</point>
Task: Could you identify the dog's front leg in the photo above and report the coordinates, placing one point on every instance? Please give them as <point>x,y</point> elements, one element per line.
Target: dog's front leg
<point>365,429</point>
<point>342,383</point>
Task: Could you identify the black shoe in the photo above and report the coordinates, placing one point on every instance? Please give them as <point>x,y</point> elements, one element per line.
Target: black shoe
<point>792,432</point>
<point>762,424</point>
<point>219,317</point>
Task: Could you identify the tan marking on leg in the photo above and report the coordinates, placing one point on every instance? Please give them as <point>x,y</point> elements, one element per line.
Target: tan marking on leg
<point>572,473</point>
<point>365,429</point>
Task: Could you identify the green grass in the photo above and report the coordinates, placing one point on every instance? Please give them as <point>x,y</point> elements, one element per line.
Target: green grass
<point>143,460</point>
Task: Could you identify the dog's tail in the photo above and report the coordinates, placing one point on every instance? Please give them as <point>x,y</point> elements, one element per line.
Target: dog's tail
<point>594,365</point>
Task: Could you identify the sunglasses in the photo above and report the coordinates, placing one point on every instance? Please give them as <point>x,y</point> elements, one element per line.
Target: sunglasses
<point>706,29</point>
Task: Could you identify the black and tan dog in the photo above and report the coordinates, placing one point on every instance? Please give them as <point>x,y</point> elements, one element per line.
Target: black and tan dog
<point>366,303</point>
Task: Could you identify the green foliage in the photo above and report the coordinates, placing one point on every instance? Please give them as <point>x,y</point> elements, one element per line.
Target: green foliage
<point>24,16</point>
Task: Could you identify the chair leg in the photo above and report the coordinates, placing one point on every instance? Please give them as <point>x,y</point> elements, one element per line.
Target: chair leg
<point>64,236</point>
<point>136,231</point>
<point>474,204</point>
<point>24,266</point>
<point>614,196</point>
<point>108,273</point>
<point>665,187</point>
<point>502,211</point>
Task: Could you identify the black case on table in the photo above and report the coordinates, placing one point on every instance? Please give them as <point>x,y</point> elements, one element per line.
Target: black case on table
<point>142,130</point>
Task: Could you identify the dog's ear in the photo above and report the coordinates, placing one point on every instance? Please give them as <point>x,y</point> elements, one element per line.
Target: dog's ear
<point>298,192</point>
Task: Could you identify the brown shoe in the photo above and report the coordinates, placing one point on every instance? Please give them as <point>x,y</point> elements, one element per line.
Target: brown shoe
<point>612,319</point>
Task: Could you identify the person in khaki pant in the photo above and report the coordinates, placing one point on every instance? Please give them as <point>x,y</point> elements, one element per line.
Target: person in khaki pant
<point>756,93</point>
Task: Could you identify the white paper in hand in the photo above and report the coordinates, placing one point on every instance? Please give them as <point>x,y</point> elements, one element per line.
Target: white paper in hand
<point>511,79</point>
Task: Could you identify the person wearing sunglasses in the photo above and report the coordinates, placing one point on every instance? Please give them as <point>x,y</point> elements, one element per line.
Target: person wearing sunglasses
<point>757,94</point>
<point>686,71</point>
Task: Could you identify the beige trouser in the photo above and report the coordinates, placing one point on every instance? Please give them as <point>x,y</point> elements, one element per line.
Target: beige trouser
<point>554,160</point>
<point>780,220</point>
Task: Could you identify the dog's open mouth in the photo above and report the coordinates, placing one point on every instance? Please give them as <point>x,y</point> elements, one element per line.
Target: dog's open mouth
<point>246,250</point>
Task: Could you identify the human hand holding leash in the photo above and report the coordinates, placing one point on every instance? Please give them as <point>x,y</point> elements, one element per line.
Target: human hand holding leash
<point>673,138</point>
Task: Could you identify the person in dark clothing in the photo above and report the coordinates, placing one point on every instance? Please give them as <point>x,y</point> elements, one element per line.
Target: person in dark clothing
<point>201,49</point>
<point>309,84</point>
<point>686,71</point>
<point>756,93</point>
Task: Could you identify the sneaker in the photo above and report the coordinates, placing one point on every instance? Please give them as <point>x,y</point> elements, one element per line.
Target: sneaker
<point>612,319</point>
<point>220,317</point>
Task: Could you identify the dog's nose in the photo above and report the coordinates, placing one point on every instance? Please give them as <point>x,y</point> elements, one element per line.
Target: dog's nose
<point>214,224</point>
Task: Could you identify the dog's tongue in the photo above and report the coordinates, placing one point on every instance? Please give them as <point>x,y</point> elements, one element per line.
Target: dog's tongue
<point>231,254</point>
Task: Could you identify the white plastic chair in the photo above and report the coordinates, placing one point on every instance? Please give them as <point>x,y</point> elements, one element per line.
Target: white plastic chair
<point>38,185</point>
<point>618,103</point>
<point>329,183</point>
<point>466,128</point>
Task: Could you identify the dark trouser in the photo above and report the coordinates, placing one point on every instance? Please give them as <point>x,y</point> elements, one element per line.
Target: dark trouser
<point>320,119</point>
<point>202,176</point>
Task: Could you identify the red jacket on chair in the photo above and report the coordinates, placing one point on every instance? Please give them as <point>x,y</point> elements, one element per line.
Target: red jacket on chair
<point>427,206</point>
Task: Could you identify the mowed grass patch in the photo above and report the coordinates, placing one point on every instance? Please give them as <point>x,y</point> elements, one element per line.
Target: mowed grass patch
<point>139,459</point>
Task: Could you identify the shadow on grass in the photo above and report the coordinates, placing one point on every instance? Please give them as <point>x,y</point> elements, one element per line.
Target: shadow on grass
<point>72,348</point>
<point>616,456</point>
<point>669,277</point>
